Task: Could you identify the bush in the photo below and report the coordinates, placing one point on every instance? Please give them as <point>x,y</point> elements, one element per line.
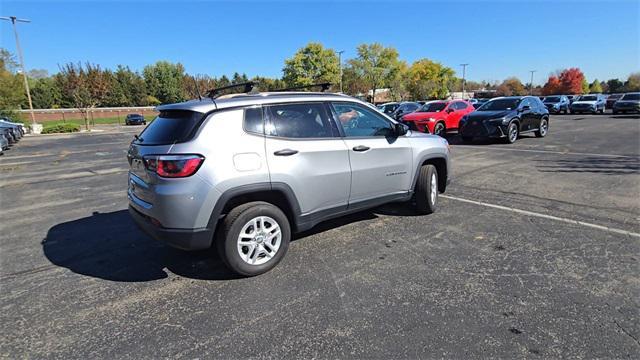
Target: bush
<point>60,128</point>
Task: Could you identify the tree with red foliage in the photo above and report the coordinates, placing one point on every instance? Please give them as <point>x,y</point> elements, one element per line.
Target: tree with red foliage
<point>571,81</point>
<point>552,87</point>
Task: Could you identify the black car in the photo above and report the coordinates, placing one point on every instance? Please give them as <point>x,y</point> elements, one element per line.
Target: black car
<point>388,108</point>
<point>629,103</point>
<point>557,104</point>
<point>135,119</point>
<point>479,102</point>
<point>405,108</point>
<point>506,118</point>
<point>611,99</point>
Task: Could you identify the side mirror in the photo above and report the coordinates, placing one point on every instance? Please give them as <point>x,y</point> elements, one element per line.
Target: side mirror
<point>525,108</point>
<point>449,110</point>
<point>401,129</point>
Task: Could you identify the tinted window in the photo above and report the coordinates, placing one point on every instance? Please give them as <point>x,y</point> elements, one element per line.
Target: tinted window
<point>299,121</point>
<point>357,120</point>
<point>433,107</point>
<point>588,98</point>
<point>552,99</point>
<point>500,104</point>
<point>253,120</point>
<point>631,97</point>
<point>170,127</point>
<point>460,105</point>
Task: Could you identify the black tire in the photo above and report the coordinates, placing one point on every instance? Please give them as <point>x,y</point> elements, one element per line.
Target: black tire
<point>543,129</point>
<point>439,129</point>
<point>510,139</point>
<point>571,112</point>
<point>467,139</point>
<point>426,199</point>
<point>229,231</point>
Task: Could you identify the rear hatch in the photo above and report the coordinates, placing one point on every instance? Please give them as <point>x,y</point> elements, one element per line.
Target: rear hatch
<point>169,128</point>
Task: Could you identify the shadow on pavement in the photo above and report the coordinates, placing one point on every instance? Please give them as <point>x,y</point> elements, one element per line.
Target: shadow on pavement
<point>630,116</point>
<point>109,246</point>
<point>597,165</point>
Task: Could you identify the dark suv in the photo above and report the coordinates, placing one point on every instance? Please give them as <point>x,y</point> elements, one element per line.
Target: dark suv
<point>506,118</point>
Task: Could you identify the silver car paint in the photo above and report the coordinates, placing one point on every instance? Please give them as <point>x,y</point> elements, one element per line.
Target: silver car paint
<point>323,174</point>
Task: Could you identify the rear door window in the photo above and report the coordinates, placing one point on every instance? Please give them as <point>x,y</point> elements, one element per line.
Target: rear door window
<point>171,126</point>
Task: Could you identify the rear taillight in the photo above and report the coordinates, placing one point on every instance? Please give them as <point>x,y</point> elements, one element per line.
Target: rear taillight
<point>173,166</point>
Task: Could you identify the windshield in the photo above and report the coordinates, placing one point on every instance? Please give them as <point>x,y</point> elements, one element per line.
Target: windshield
<point>500,104</point>
<point>631,97</point>
<point>552,99</point>
<point>433,107</point>
<point>588,98</point>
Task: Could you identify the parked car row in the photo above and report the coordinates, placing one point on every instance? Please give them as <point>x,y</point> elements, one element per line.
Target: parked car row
<point>10,133</point>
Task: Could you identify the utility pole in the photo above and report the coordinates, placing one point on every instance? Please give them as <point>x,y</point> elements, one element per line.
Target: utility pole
<point>464,73</point>
<point>531,83</point>
<point>340,63</point>
<point>13,20</point>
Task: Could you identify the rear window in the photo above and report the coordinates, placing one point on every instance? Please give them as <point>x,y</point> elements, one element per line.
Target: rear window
<point>171,126</point>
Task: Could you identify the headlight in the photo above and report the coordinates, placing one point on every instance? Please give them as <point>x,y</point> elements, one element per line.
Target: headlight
<point>502,120</point>
<point>431,119</point>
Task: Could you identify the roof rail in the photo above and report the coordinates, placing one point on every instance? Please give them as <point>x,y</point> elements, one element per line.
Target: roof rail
<point>248,87</point>
<point>323,86</point>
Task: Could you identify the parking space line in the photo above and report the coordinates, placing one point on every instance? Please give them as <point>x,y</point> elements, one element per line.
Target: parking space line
<point>545,216</point>
<point>550,152</point>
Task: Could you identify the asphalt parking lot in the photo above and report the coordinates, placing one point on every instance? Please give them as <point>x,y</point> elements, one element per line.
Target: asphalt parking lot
<point>534,252</point>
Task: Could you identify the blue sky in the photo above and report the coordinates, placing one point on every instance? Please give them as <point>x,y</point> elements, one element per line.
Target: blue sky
<point>497,38</point>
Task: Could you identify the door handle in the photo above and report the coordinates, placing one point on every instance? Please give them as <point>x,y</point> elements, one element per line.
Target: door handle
<point>361,148</point>
<point>285,152</point>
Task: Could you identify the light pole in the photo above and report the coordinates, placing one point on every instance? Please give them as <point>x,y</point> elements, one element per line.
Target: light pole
<point>13,20</point>
<point>531,83</point>
<point>464,73</point>
<point>340,64</point>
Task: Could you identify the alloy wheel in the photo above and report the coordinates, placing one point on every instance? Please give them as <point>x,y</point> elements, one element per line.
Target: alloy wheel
<point>259,240</point>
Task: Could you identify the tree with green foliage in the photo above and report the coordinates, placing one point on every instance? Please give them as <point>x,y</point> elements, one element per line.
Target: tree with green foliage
<point>615,86</point>
<point>595,87</point>
<point>127,88</point>
<point>312,64</point>
<point>164,81</point>
<point>376,65</point>
<point>632,83</point>
<point>45,94</point>
<point>429,80</point>
<point>12,92</point>
<point>585,86</point>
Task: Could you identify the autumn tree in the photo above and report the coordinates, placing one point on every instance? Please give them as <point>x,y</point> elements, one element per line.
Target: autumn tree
<point>85,87</point>
<point>552,86</point>
<point>571,81</point>
<point>376,65</point>
<point>633,82</point>
<point>510,87</point>
<point>595,87</point>
<point>312,64</point>
<point>427,79</point>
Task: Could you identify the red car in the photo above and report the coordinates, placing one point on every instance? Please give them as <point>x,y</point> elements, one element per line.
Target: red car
<point>438,117</point>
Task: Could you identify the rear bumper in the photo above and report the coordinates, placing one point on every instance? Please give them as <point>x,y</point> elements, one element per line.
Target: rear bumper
<point>185,239</point>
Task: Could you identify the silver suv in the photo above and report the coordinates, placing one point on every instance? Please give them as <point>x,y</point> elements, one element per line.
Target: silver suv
<point>245,171</point>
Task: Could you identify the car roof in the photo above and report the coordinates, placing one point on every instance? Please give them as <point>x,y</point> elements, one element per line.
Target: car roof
<point>259,98</point>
